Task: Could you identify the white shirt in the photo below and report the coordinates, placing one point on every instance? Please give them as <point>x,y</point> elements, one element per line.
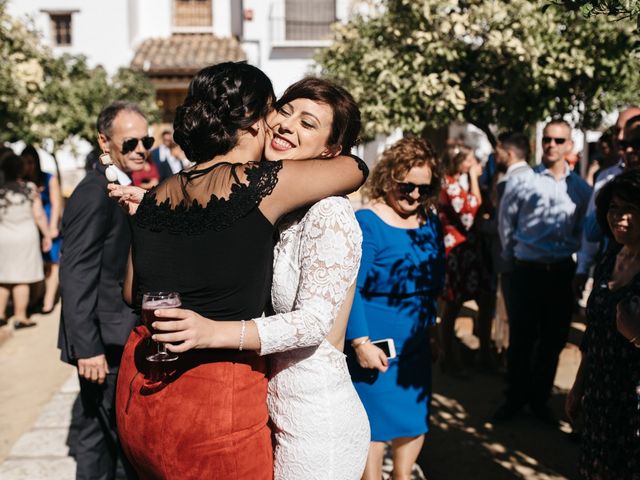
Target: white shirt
<point>165,156</point>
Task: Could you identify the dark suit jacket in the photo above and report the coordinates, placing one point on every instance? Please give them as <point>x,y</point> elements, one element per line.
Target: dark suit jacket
<point>95,319</point>
<point>164,169</point>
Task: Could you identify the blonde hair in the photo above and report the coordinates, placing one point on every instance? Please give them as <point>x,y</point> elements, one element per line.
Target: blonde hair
<point>395,163</point>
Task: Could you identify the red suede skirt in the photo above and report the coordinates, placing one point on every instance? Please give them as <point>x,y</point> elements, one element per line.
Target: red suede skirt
<point>203,416</point>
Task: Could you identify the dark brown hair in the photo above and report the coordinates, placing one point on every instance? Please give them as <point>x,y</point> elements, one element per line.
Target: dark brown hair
<point>625,187</point>
<point>346,124</point>
<point>222,99</point>
<point>453,157</point>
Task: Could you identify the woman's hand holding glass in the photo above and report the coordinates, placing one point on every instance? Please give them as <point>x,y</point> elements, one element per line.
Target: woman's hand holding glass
<point>371,356</point>
<point>185,330</point>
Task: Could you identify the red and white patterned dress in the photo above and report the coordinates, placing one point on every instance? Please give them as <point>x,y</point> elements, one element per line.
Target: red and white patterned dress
<point>464,271</point>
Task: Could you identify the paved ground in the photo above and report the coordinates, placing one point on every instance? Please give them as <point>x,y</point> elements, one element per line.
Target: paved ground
<point>37,393</point>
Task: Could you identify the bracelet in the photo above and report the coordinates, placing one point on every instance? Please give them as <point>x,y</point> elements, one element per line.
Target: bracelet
<point>633,341</point>
<point>361,342</point>
<point>243,327</point>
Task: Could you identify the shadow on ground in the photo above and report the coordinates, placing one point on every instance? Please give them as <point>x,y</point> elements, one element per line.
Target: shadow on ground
<point>463,444</point>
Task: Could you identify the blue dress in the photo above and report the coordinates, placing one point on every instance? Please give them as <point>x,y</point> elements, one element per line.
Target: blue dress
<point>53,255</point>
<point>400,279</point>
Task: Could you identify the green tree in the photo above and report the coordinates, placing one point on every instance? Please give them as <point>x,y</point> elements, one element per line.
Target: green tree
<point>620,9</point>
<point>413,64</point>
<point>21,75</point>
<point>47,100</point>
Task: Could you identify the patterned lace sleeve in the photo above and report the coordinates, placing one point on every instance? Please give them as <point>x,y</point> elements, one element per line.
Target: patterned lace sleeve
<point>262,177</point>
<point>330,251</point>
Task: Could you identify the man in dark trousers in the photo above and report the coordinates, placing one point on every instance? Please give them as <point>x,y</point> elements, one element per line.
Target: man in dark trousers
<point>540,225</point>
<point>95,321</point>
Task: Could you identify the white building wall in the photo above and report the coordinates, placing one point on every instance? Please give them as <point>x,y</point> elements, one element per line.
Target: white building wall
<point>283,61</point>
<point>100,30</point>
<point>150,19</point>
<point>222,24</point>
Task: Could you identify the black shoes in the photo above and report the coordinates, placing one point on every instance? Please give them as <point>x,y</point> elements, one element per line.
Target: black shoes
<point>21,324</point>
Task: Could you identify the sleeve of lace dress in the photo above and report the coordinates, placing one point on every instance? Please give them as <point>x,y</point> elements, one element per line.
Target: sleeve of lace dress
<point>303,182</point>
<point>330,257</point>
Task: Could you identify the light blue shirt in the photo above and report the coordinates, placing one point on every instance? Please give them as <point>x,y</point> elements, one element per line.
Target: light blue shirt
<point>592,233</point>
<point>541,217</point>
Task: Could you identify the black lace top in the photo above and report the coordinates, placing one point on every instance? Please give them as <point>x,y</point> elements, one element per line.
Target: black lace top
<point>202,234</point>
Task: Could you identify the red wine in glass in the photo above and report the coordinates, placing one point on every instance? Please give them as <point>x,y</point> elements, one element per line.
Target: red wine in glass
<point>152,301</point>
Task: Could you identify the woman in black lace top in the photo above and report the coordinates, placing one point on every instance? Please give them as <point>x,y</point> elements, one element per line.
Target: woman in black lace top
<point>606,386</point>
<point>208,233</point>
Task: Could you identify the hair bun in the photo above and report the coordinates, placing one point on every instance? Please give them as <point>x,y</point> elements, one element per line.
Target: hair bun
<point>201,130</point>
<point>222,100</point>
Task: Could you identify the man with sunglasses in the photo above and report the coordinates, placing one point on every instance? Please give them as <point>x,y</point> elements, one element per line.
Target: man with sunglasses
<point>540,224</point>
<point>593,240</point>
<point>95,322</point>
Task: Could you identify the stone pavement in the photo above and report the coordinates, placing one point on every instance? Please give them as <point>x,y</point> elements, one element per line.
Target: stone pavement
<point>42,453</point>
<point>461,444</point>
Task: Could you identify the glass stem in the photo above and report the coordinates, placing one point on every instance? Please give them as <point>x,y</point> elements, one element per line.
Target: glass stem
<point>162,348</point>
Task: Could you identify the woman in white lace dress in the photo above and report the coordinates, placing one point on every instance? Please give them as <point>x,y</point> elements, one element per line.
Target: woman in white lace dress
<point>320,426</point>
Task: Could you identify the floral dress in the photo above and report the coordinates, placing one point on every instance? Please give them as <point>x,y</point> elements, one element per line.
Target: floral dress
<point>464,270</point>
<point>610,441</point>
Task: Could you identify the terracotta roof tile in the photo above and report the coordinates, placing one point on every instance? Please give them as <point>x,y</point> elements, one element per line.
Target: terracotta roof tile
<point>185,53</point>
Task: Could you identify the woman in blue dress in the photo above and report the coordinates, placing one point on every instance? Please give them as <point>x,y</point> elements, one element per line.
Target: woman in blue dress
<point>400,278</point>
<point>51,198</point>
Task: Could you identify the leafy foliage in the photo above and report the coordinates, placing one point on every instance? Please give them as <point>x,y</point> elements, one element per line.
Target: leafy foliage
<point>614,8</point>
<point>413,64</point>
<point>55,98</point>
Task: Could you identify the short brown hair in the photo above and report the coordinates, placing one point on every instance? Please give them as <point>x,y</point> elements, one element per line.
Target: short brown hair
<point>395,163</point>
<point>346,123</point>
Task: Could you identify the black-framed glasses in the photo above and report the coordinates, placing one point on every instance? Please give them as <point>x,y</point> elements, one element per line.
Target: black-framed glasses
<point>559,141</point>
<point>634,144</point>
<point>424,189</point>
<point>130,144</point>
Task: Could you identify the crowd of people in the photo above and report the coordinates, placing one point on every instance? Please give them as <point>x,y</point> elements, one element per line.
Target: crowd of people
<point>31,239</point>
<point>305,335</point>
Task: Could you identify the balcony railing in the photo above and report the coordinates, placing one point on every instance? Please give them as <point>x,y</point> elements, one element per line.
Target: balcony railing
<point>192,13</point>
<point>299,22</point>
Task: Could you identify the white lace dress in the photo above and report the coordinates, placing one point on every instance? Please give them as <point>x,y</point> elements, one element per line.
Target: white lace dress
<point>321,428</point>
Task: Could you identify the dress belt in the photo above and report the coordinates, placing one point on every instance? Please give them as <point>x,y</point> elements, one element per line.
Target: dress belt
<point>562,264</point>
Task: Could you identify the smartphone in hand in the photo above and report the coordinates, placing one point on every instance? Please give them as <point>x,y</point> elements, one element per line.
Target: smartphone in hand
<point>387,345</point>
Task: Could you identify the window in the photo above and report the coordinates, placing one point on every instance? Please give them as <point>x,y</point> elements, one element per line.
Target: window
<point>192,13</point>
<point>309,19</point>
<point>61,29</point>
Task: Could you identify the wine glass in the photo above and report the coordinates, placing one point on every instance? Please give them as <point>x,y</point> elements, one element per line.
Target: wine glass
<point>152,301</point>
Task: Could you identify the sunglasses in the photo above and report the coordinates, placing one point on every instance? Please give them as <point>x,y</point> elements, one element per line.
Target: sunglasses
<point>559,141</point>
<point>633,144</point>
<point>130,144</point>
<point>423,190</point>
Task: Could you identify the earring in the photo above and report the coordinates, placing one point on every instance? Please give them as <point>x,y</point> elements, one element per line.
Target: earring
<point>105,159</point>
<point>111,173</point>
